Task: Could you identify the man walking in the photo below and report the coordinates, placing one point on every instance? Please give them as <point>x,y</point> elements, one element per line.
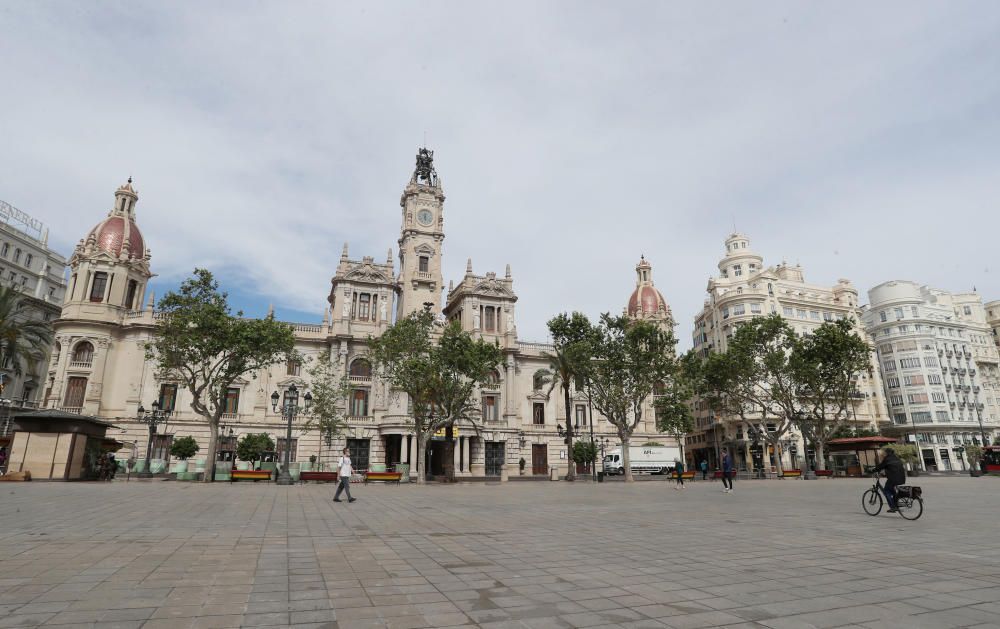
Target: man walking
<point>704,469</point>
<point>679,471</point>
<point>344,471</point>
<point>727,472</point>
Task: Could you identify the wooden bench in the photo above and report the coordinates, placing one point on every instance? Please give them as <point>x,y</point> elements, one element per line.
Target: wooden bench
<point>718,474</point>
<point>824,473</point>
<point>254,475</point>
<point>322,477</point>
<point>384,477</point>
<point>791,473</point>
<point>689,475</point>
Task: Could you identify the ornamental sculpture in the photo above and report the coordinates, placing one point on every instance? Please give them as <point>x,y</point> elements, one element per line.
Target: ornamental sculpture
<point>425,167</point>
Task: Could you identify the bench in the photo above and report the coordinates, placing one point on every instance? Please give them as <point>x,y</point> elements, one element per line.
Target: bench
<point>689,475</point>
<point>824,473</point>
<point>322,477</point>
<point>718,474</point>
<point>384,477</point>
<point>791,473</point>
<point>254,475</point>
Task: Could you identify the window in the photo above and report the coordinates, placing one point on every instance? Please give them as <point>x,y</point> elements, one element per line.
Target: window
<point>942,416</point>
<point>892,382</point>
<point>917,398</point>
<point>24,280</point>
<point>770,289</point>
<point>882,316</point>
<point>83,352</point>
<point>282,441</point>
<point>424,264</point>
<point>934,379</point>
<point>937,396</point>
<point>359,403</point>
<point>739,309</point>
<point>364,306</point>
<point>786,311</point>
<point>898,312</point>
<point>490,408</point>
<point>28,260</point>
<point>293,368</point>
<point>75,389</point>
<point>232,401</point>
<point>168,397</point>
<point>814,314</point>
<point>17,257</point>
<point>97,288</point>
<point>889,365</point>
<point>899,418</point>
<point>738,270</point>
<point>913,380</point>
<point>914,311</point>
<point>755,308</point>
<point>903,329</point>
<point>580,416</point>
<point>800,313</point>
<point>130,295</point>
<point>827,316</point>
<point>725,312</point>
<point>921,417</point>
<point>361,368</point>
<point>967,310</point>
<point>909,363</point>
<point>5,250</point>
<point>931,361</point>
<point>489,317</point>
<point>538,414</point>
<point>896,400</point>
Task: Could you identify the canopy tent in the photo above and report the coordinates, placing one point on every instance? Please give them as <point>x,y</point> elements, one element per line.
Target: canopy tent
<point>858,445</point>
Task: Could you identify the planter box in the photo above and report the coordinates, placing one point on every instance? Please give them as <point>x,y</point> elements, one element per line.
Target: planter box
<point>157,466</point>
<point>179,467</point>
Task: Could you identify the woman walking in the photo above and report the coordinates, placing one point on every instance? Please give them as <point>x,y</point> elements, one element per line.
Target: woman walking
<point>679,471</point>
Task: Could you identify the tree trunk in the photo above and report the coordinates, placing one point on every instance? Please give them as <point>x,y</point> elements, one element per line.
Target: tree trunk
<point>213,440</point>
<point>571,464</point>
<point>820,453</point>
<point>419,463</point>
<point>626,460</point>
<point>779,468</point>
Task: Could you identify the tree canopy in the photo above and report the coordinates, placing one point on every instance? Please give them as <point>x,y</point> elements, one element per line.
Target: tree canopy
<point>24,341</point>
<point>252,446</point>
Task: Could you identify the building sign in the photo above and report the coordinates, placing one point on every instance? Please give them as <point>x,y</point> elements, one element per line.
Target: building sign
<point>22,221</point>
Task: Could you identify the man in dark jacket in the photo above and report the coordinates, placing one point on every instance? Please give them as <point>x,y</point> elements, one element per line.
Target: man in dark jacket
<point>895,475</point>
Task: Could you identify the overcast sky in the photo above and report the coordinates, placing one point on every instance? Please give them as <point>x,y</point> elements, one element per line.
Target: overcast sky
<point>859,139</point>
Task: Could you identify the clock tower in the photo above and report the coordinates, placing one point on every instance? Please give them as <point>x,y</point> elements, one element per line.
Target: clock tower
<point>421,236</point>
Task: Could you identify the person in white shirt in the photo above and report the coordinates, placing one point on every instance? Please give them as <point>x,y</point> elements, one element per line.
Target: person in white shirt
<point>344,471</point>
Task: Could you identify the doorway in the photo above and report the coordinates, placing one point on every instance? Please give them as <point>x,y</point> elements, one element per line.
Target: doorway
<point>494,457</point>
<point>393,446</point>
<point>539,459</point>
<point>359,449</point>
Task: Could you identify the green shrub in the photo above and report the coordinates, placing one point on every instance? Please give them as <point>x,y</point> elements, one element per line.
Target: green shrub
<point>184,448</point>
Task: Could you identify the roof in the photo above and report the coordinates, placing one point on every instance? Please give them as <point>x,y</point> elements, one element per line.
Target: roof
<point>52,413</point>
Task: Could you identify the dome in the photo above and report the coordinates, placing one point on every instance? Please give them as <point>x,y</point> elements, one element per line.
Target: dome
<point>114,232</point>
<point>646,301</point>
<point>118,233</point>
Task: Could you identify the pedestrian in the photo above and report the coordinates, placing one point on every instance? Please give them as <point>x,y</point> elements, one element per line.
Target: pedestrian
<point>704,469</point>
<point>727,472</point>
<point>679,471</point>
<point>344,471</point>
<point>3,459</point>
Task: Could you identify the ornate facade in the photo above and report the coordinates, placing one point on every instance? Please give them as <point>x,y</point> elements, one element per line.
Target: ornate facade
<point>100,367</point>
<point>743,289</point>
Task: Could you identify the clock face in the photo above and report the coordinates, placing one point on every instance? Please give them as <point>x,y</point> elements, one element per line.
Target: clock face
<point>425,217</point>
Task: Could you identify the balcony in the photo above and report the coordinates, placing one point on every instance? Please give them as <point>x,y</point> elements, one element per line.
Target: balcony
<point>360,379</point>
<point>360,419</point>
<point>71,409</point>
<point>972,372</point>
<point>949,353</point>
<point>81,364</point>
<point>947,387</point>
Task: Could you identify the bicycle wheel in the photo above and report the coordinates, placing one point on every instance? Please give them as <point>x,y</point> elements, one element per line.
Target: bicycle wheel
<point>911,509</point>
<point>872,502</point>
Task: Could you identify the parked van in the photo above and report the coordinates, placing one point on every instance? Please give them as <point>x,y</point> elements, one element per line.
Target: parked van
<point>643,459</point>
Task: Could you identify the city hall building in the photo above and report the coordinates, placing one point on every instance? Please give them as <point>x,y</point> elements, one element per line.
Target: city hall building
<point>98,366</point>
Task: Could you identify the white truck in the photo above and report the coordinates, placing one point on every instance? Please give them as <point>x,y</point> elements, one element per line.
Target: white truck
<point>643,459</point>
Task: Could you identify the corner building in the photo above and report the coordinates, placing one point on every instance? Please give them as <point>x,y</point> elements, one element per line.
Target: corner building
<point>100,367</point>
<point>743,289</point>
<point>939,366</point>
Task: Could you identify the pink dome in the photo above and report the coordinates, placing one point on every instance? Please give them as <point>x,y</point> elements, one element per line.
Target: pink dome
<point>112,233</point>
<point>646,300</point>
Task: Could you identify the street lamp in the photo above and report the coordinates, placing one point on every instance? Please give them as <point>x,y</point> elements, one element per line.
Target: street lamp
<point>289,410</point>
<point>982,433</point>
<point>151,418</point>
<point>603,441</point>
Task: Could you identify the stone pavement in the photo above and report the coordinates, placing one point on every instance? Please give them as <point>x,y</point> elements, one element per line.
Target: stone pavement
<point>778,554</point>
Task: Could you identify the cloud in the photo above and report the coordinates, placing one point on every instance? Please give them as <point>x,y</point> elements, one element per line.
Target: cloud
<point>858,140</point>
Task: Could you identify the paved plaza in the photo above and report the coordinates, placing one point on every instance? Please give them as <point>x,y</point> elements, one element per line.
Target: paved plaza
<point>778,554</point>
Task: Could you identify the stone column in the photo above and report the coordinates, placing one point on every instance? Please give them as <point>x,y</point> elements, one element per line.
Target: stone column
<point>456,456</point>
<point>403,450</point>
<point>508,393</point>
<point>411,441</point>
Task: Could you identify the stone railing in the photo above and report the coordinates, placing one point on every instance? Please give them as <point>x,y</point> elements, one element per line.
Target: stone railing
<point>526,346</point>
<point>81,364</point>
<point>360,419</point>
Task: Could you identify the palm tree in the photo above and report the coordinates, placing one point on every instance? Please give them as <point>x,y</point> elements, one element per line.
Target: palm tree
<point>562,372</point>
<point>23,341</point>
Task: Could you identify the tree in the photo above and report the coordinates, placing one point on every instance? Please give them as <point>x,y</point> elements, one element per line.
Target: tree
<point>584,453</point>
<point>253,445</point>
<point>753,379</point>
<point>573,340</point>
<point>439,367</point>
<point>23,341</point>
<point>974,454</point>
<point>907,452</point>
<point>330,390</point>
<point>629,359</point>
<point>184,448</point>
<point>673,411</point>
<point>826,366</point>
<point>199,343</point>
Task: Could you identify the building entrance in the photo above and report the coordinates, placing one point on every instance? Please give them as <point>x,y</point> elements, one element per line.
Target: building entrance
<point>359,449</point>
<point>393,449</point>
<point>539,459</point>
<point>440,459</point>
<point>494,457</point>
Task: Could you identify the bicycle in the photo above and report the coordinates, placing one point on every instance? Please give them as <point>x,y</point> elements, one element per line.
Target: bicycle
<point>909,500</point>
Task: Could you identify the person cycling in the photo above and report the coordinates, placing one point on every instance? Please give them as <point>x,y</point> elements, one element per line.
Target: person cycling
<point>895,475</point>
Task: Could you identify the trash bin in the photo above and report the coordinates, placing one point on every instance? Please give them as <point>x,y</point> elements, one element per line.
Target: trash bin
<point>600,477</point>
<point>553,473</point>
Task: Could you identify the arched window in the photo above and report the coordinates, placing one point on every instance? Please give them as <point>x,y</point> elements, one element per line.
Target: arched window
<point>83,352</point>
<point>56,350</point>
<point>28,259</point>
<point>538,381</point>
<point>361,368</point>
<point>17,255</point>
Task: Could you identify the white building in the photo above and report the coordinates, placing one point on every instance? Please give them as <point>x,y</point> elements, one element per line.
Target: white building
<point>743,289</point>
<point>29,265</point>
<point>939,366</point>
<point>100,368</point>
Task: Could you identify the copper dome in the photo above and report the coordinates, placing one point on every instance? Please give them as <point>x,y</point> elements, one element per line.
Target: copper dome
<point>646,300</point>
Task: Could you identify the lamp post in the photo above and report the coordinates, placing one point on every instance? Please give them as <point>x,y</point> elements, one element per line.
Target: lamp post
<point>289,410</point>
<point>982,433</point>
<point>151,418</point>
<point>603,441</point>
<point>590,404</point>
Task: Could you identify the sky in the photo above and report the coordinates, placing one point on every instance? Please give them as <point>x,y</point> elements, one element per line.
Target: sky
<point>861,140</point>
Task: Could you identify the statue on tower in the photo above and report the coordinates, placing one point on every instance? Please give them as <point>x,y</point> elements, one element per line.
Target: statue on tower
<point>425,167</point>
